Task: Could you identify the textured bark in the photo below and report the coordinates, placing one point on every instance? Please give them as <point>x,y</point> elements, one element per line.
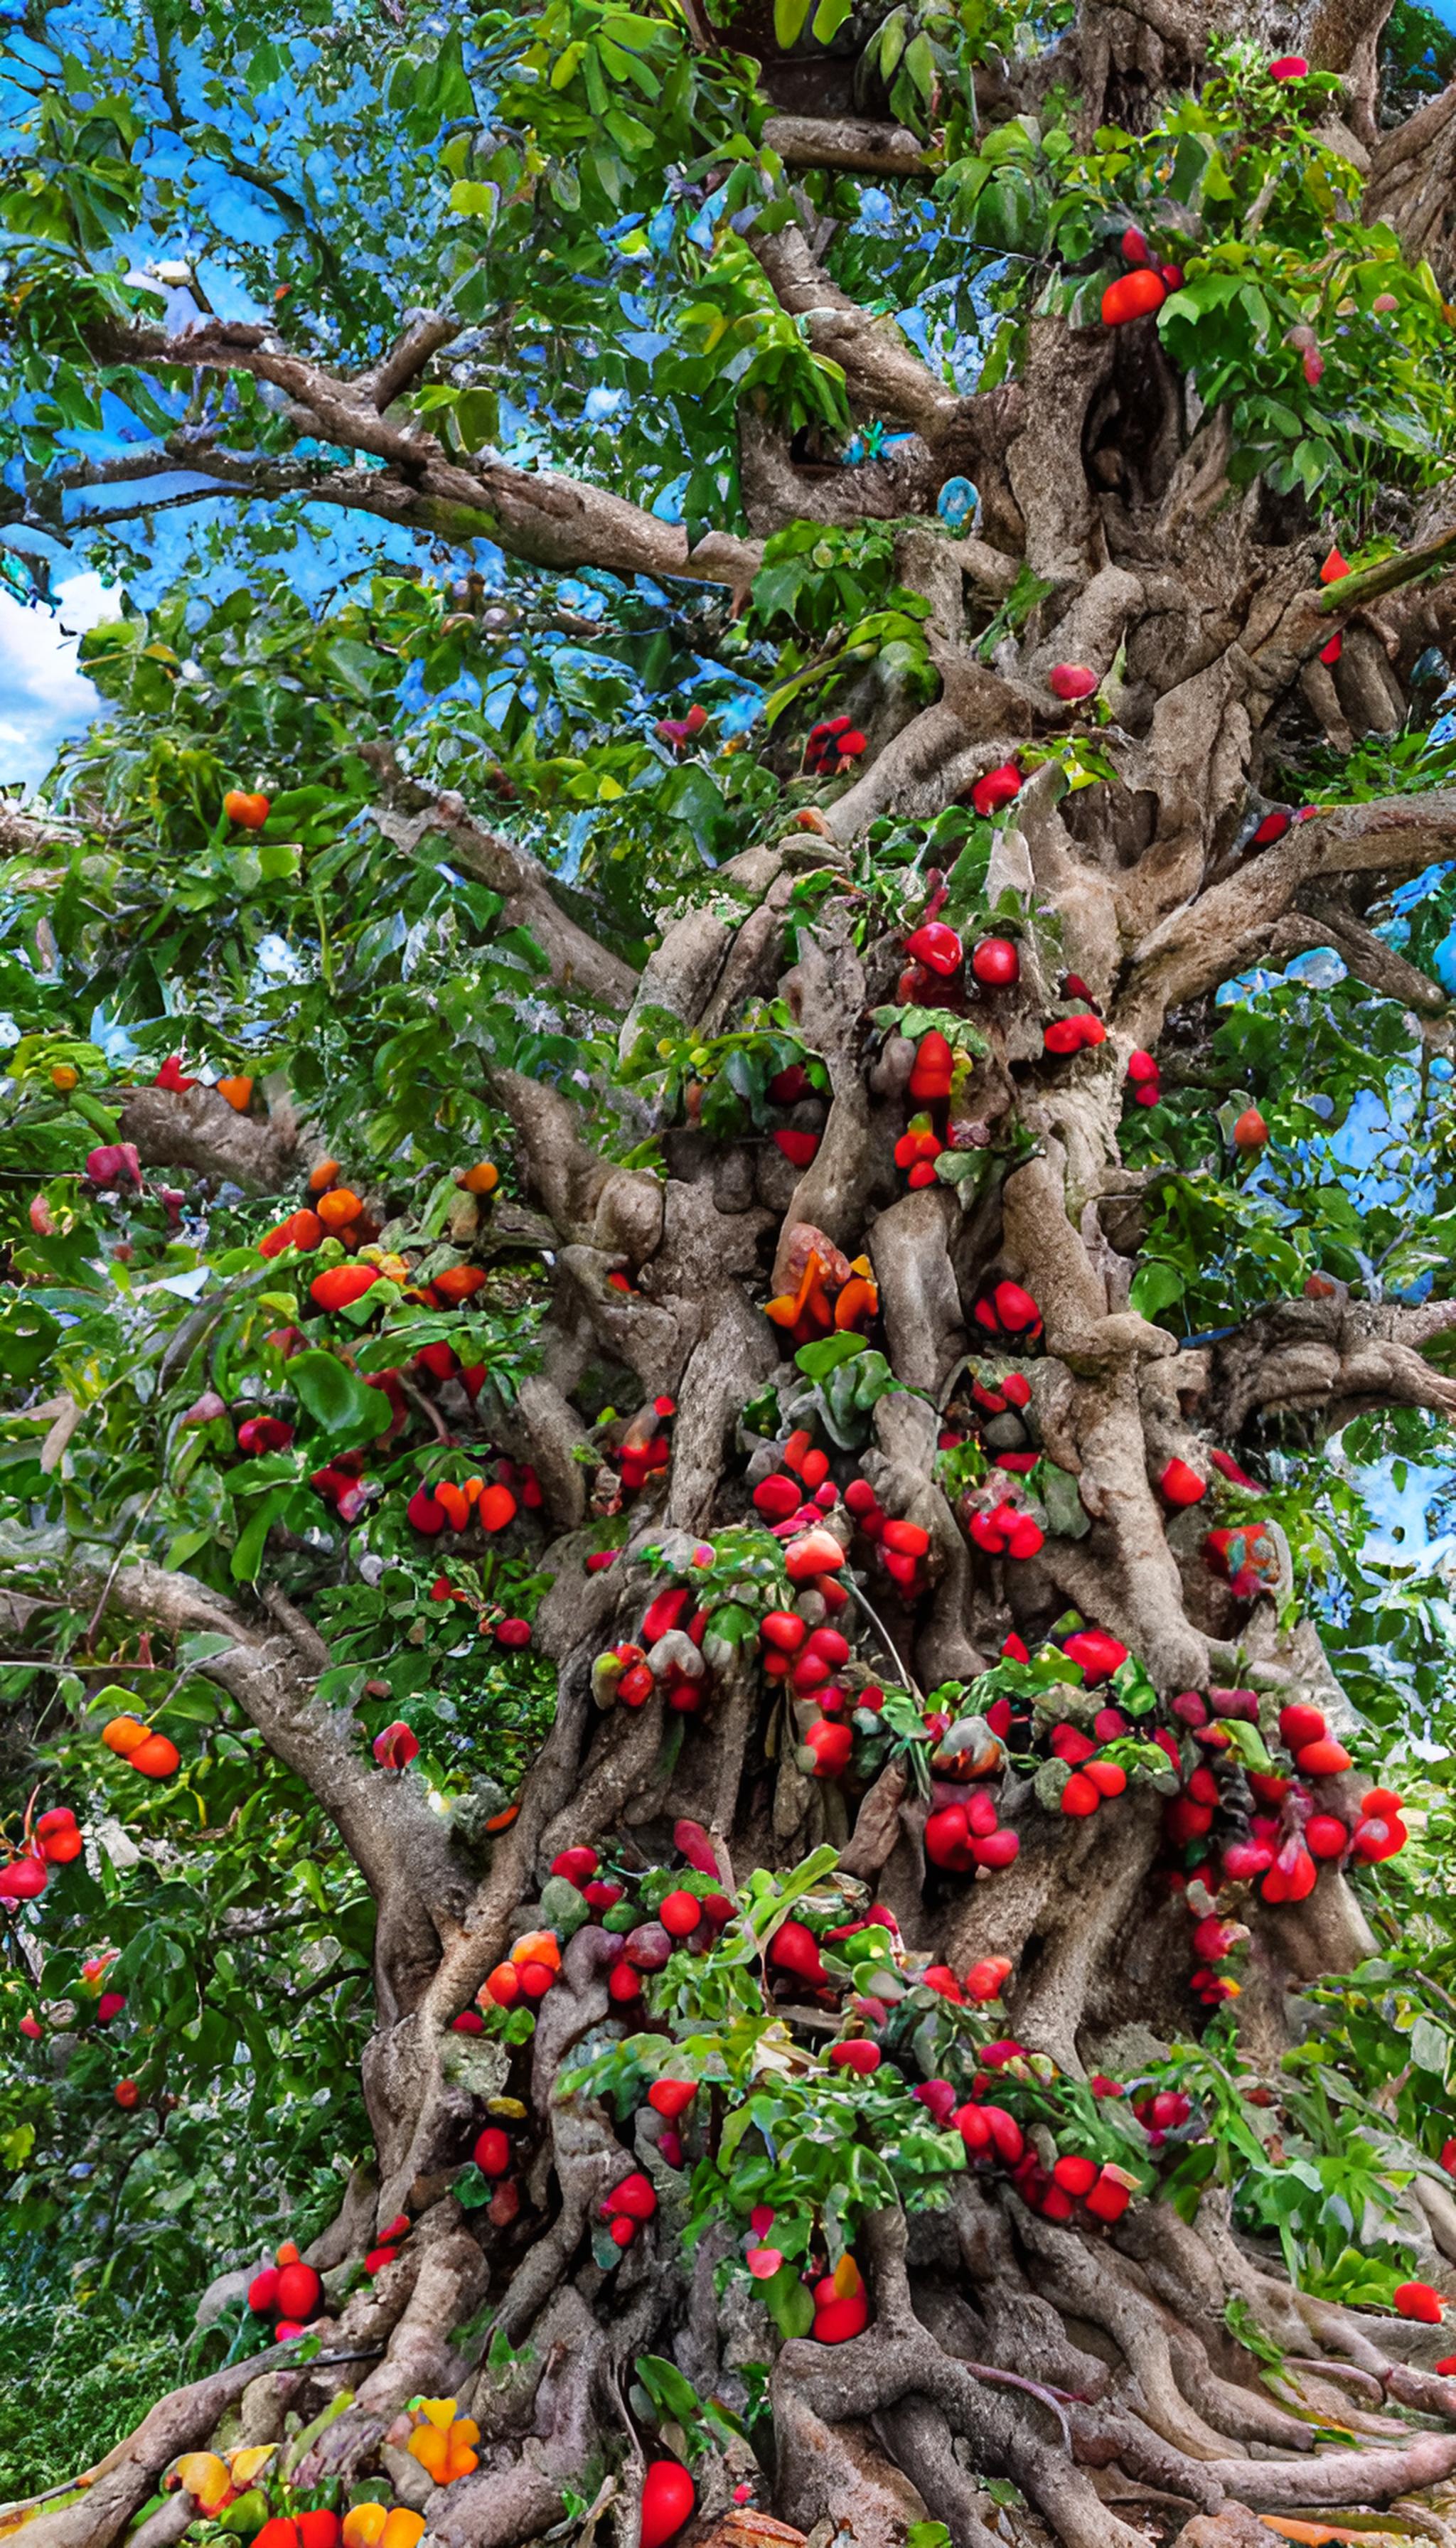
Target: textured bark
<point>1091,2369</point>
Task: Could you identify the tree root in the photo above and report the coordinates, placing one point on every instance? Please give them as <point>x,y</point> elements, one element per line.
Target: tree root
<point>121,2482</point>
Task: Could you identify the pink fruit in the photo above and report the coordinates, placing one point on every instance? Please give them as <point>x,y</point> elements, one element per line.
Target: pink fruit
<point>1071,681</point>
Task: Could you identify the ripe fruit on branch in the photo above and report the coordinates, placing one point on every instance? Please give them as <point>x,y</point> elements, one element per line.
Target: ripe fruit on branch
<point>1132,295</point>
<point>996,789</point>
<point>340,1286</point>
<point>857,2056</point>
<point>126,2094</point>
<point>996,963</point>
<point>1288,66</point>
<point>1068,1034</point>
<point>248,811</point>
<point>1099,1655</point>
<point>1181,1485</point>
<point>395,1746</point>
<point>937,947</point>
<point>832,747</point>
<point>1075,680</point>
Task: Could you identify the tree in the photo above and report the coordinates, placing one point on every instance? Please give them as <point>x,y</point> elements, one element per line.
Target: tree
<point>696,1320</point>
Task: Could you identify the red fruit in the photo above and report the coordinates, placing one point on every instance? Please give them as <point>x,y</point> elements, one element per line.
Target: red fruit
<point>1005,2133</point>
<point>938,2099</point>
<point>937,946</point>
<point>249,810</point>
<point>339,1286</point>
<point>1420,2301</point>
<point>1251,1132</point>
<point>576,1864</point>
<point>831,1746</point>
<point>1181,1485</point>
<point>1134,245</point>
<point>1300,1724</point>
<point>1186,1821</point>
<point>623,1982</point>
<point>857,2056</point>
<point>1332,651</point>
<point>948,1840</point>
<point>635,2196</point>
<point>1079,1796</point>
<point>668,2500</point>
<point>1172,276</point>
<point>1014,1309</point>
<point>1075,2174</point>
<point>1109,2198</point>
<point>1288,66</point>
<point>262,2291</point>
<point>397,1745</point>
<point>680,1914</point>
<point>817,1553</point>
<point>31,2028</point>
<point>996,962</point>
<point>1378,1837</point>
<point>1326,1836</point>
<point>491,2153</point>
<point>997,1850</point>
<point>320,2528</point>
<point>1132,295</point>
<point>797,1148</point>
<point>1109,1777</point>
<point>279,2531</point>
<point>795,1950</point>
<point>261,1433</point>
<point>778,1497</point>
<point>1099,1655</point>
<point>984,1980</point>
<point>110,2005</point>
<point>996,789</point>
<point>23,1880</point>
<point>424,1515</point>
<point>836,2321</point>
<point>1071,681</point>
<point>1379,1800</point>
<point>670,2098</point>
<point>300,2292</point>
<point>1323,1760</point>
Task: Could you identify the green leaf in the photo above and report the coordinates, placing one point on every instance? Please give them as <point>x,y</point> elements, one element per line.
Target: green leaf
<point>345,1410</point>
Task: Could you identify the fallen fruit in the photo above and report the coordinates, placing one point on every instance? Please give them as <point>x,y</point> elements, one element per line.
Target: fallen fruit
<point>1072,680</point>
<point>668,2500</point>
<point>248,811</point>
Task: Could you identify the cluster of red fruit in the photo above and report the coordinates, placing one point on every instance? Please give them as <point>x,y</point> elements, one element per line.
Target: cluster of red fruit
<point>1146,288</point>
<point>1009,1314</point>
<point>833,747</point>
<point>391,2240</point>
<point>54,1841</point>
<point>1144,1078</point>
<point>288,2292</point>
<point>645,1450</point>
<point>669,1658</point>
<point>994,2138</point>
<point>443,1504</point>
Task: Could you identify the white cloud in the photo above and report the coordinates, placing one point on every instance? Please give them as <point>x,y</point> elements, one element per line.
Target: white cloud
<point>42,695</point>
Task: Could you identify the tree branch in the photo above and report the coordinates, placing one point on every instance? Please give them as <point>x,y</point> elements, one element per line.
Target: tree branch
<point>534,514</point>
<point>400,1848</point>
<point>1189,953</point>
<point>849,141</point>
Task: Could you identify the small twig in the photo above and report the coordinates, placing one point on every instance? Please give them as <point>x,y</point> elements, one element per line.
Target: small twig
<point>1052,2398</point>
<point>886,1640</point>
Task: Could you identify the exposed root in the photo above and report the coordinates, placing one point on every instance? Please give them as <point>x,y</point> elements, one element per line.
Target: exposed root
<point>121,2482</point>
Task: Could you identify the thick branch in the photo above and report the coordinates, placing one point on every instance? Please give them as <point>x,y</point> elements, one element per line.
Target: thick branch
<point>534,514</point>
<point>399,1847</point>
<point>848,141</point>
<point>1189,953</point>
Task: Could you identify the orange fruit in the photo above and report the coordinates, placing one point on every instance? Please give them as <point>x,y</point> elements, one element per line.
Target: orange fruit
<point>248,811</point>
<point>537,1947</point>
<point>457,1283</point>
<point>63,1077</point>
<point>156,1758</point>
<point>124,1735</point>
<point>323,1177</point>
<point>496,1507</point>
<point>239,1093</point>
<point>483,1179</point>
<point>338,1208</point>
<point>363,2524</point>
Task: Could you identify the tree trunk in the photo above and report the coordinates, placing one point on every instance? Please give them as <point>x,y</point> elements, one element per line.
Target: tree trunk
<point>1095,2365</point>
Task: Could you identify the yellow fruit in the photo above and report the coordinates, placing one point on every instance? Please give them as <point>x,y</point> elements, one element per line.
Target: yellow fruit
<point>205,2478</point>
<point>403,2529</point>
<point>439,2411</point>
<point>432,2450</point>
<point>364,2525</point>
<point>245,2464</point>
